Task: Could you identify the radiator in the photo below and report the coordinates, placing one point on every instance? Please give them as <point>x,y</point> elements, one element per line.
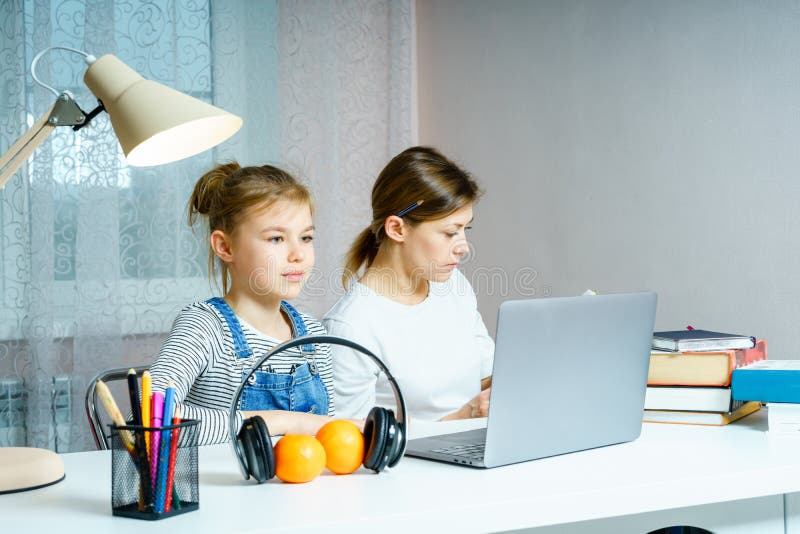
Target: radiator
<point>12,412</point>
<point>62,412</point>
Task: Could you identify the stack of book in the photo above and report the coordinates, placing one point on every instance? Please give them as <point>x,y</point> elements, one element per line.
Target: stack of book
<point>689,380</point>
<point>776,383</point>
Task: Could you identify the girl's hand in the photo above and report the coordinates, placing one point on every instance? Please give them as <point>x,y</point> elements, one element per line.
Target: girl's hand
<point>477,407</point>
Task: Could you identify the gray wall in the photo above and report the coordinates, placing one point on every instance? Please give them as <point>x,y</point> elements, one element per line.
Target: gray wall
<point>627,145</point>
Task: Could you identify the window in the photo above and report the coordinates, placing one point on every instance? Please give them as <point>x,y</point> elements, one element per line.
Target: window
<point>82,229</point>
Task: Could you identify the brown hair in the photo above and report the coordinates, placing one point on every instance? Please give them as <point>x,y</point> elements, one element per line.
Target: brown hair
<point>224,194</point>
<point>417,173</point>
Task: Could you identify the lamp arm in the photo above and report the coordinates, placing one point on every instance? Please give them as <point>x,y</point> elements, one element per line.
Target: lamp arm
<point>23,147</point>
<point>64,112</point>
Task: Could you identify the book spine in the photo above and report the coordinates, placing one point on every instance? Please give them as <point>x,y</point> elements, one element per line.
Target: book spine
<point>748,356</point>
<point>680,368</point>
<point>689,399</point>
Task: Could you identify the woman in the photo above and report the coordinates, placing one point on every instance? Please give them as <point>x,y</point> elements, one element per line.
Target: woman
<point>412,306</point>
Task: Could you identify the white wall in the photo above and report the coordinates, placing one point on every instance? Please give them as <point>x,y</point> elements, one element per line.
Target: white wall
<point>628,145</point>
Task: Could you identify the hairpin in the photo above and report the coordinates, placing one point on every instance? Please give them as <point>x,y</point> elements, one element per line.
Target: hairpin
<point>410,208</point>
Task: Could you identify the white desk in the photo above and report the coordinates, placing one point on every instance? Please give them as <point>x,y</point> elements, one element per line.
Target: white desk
<point>732,478</point>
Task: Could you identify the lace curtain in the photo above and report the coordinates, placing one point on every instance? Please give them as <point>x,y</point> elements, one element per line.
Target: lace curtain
<point>96,257</point>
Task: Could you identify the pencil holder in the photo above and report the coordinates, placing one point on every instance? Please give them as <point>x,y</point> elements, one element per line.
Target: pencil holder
<point>154,470</point>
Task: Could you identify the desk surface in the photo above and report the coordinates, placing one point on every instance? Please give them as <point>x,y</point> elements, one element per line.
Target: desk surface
<point>669,466</point>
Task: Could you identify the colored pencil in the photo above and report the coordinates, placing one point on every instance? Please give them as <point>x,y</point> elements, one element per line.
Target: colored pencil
<point>113,412</point>
<point>173,453</point>
<point>163,455</point>
<point>147,385</point>
<point>139,446</point>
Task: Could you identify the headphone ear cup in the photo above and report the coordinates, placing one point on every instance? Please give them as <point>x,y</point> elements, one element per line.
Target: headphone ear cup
<point>257,448</point>
<point>376,429</point>
<point>246,448</point>
<point>397,438</point>
<point>268,455</point>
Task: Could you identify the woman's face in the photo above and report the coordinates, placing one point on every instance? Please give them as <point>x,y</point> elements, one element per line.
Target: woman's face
<point>273,250</point>
<point>434,248</point>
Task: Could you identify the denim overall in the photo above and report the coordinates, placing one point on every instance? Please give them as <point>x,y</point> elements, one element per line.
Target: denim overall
<point>301,390</point>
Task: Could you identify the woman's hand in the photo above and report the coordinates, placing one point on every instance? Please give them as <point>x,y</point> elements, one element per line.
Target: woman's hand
<point>477,407</point>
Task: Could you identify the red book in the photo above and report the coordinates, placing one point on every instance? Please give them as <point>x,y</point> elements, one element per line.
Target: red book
<point>712,368</point>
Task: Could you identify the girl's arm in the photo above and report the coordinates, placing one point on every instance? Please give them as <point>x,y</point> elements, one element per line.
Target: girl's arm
<point>184,357</point>
<point>280,422</point>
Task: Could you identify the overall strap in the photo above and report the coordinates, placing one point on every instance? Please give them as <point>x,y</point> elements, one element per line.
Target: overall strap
<point>240,345</point>
<point>298,326</point>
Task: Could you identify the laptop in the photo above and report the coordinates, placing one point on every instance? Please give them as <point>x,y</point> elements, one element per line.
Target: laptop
<point>569,374</point>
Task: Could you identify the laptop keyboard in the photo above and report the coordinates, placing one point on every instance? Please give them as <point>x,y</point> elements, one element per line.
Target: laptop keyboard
<point>473,451</point>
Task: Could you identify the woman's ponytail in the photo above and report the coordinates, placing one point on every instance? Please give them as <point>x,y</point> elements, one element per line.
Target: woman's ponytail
<point>362,251</point>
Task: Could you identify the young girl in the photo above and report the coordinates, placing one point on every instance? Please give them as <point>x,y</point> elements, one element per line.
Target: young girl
<point>261,236</point>
<point>412,306</point>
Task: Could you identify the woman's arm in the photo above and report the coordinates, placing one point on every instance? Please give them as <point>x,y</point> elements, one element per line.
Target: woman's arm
<point>486,383</point>
<point>354,375</point>
<point>477,407</point>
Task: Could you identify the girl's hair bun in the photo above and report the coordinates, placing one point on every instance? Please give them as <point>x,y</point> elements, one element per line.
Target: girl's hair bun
<point>206,194</point>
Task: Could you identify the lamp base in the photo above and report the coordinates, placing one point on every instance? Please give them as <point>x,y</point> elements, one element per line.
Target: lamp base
<point>28,468</point>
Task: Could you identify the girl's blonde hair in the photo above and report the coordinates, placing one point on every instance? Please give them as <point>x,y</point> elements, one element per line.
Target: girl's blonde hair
<point>417,173</point>
<point>225,194</point>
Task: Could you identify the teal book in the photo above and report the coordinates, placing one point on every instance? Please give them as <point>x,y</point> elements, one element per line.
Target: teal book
<point>767,381</point>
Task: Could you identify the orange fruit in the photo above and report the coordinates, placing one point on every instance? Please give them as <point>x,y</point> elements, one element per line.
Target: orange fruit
<point>344,446</point>
<point>298,458</point>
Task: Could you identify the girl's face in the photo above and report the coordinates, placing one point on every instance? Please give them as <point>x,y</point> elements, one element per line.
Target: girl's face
<point>434,248</point>
<point>272,250</point>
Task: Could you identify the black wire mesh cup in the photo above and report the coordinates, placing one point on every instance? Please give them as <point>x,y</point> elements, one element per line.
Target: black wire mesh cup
<point>142,491</point>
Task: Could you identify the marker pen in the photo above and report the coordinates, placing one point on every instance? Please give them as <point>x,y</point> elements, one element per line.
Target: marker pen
<point>157,411</point>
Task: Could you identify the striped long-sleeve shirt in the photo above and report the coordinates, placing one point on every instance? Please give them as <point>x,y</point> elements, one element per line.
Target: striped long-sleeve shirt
<point>198,356</point>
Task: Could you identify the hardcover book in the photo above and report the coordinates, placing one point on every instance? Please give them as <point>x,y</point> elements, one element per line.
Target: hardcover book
<point>768,381</point>
<point>783,418</point>
<point>701,368</point>
<point>700,418</point>
<point>700,340</point>
<point>690,399</point>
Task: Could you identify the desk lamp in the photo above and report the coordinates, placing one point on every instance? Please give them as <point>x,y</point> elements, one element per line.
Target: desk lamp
<point>154,125</point>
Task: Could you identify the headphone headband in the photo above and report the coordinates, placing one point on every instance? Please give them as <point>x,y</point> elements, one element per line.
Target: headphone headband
<point>308,340</point>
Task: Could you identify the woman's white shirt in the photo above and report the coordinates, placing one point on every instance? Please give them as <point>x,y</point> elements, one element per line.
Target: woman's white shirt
<point>437,350</point>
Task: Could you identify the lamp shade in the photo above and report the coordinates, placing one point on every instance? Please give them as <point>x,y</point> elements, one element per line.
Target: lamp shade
<point>155,124</point>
